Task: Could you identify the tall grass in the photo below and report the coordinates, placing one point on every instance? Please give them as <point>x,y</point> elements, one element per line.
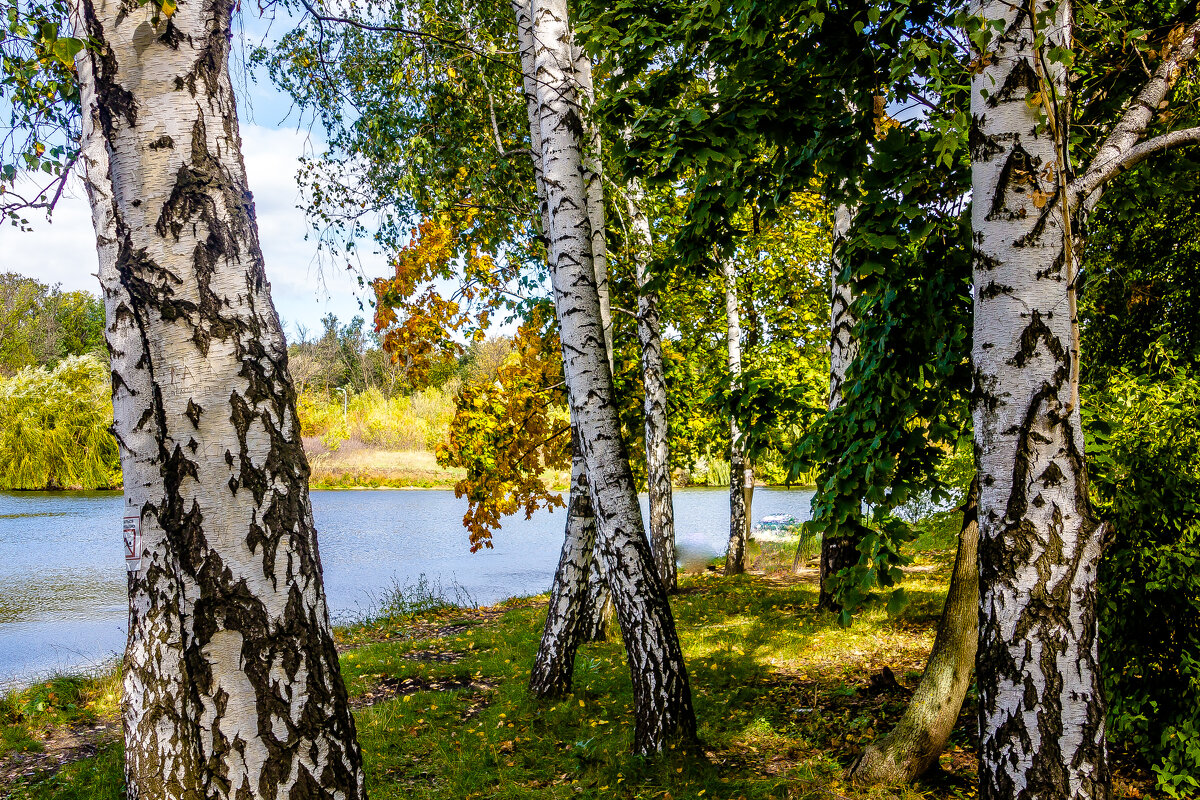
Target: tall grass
<point>417,422</point>
<point>54,428</point>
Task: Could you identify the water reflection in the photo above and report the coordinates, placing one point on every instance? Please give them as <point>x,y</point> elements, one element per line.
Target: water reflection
<point>62,573</point>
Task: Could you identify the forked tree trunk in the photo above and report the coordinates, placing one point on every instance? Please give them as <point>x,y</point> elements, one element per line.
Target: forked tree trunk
<point>839,551</point>
<point>914,745</point>
<point>1041,710</point>
<point>231,681</point>
<point>662,698</point>
<point>741,474</point>
<point>658,456</point>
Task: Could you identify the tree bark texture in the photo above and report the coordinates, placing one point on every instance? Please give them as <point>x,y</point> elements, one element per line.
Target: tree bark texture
<point>914,745</point>
<point>741,474</point>
<point>576,580</point>
<point>658,461</point>
<point>231,679</point>
<point>1041,710</point>
<point>662,698</point>
<point>840,551</point>
<point>600,610</point>
<point>569,610</point>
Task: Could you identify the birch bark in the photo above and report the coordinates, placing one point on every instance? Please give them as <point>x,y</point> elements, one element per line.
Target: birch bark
<point>568,614</point>
<point>231,680</point>
<point>658,461</point>
<point>580,604</point>
<point>841,551</point>
<point>741,473</point>
<point>1041,710</point>
<point>662,698</point>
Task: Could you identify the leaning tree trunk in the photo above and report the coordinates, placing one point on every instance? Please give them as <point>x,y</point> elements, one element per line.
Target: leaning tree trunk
<point>231,678</point>
<point>741,476</point>
<point>600,608</point>
<point>1041,710</point>
<point>580,604</point>
<point>662,698</point>
<point>914,745</point>
<point>839,550</point>
<point>569,611</point>
<point>658,462</point>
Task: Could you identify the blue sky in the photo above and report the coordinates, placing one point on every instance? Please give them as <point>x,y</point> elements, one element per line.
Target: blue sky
<point>63,251</point>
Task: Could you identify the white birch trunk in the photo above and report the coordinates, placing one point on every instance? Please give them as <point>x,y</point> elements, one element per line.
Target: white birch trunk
<point>658,455</point>
<point>839,551</point>
<point>662,699</point>
<point>569,611</point>
<point>1041,711</point>
<point>599,613</point>
<point>231,679</point>
<point>580,605</point>
<point>741,474</point>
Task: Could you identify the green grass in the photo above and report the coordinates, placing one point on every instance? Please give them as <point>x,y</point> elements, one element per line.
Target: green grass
<point>779,689</point>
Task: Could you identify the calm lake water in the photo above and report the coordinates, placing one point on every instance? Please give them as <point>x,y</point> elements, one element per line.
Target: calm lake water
<point>62,569</point>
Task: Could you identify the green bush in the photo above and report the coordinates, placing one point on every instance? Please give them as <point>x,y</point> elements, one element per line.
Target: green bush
<point>1144,459</point>
<point>54,427</point>
<point>416,422</point>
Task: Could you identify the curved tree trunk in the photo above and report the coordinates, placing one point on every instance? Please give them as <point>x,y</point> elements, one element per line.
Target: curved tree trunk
<point>577,581</point>
<point>741,475</point>
<point>914,745</point>
<point>658,461</point>
<point>231,679</point>
<point>841,551</point>
<point>600,608</point>
<point>569,614</point>
<point>1041,709</point>
<point>662,698</point>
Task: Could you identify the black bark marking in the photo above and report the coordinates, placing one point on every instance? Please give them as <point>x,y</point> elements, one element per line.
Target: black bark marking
<point>113,100</point>
<point>193,413</point>
<point>1017,176</point>
<point>982,146</point>
<point>163,142</point>
<point>1039,227</point>
<point>984,261</point>
<point>1021,77</point>
<point>994,290</point>
<point>171,37</point>
<point>1036,331</point>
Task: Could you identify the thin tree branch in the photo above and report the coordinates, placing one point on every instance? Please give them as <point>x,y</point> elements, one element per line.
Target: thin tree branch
<point>1137,117</point>
<point>1141,152</point>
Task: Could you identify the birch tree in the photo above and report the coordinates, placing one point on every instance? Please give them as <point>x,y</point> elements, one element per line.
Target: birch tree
<point>662,698</point>
<point>231,679</point>
<point>1042,714</point>
<point>649,325</point>
<point>741,473</point>
<point>841,551</point>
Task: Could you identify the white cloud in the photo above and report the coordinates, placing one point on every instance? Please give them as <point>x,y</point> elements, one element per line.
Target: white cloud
<point>64,251</point>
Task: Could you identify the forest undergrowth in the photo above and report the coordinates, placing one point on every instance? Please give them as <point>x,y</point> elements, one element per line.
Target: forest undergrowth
<point>786,699</point>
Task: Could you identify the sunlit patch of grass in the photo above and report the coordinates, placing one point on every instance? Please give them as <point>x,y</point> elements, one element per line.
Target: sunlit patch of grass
<point>29,715</point>
<point>782,696</point>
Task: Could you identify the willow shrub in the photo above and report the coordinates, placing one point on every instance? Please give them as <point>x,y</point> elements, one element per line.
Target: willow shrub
<point>54,427</point>
<point>1144,460</point>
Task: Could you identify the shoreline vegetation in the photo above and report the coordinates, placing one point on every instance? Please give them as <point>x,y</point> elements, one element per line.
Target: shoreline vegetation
<point>783,693</point>
<point>54,436</point>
